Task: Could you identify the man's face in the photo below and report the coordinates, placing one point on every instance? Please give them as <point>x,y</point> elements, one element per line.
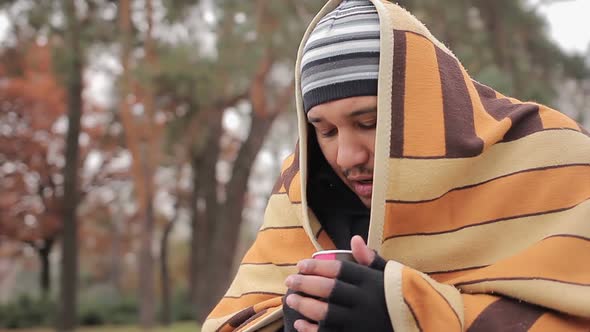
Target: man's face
<point>345,131</point>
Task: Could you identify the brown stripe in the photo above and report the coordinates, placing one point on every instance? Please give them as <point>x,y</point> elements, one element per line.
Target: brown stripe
<point>525,117</point>
<point>290,172</point>
<point>269,263</point>
<point>570,236</point>
<point>457,270</point>
<point>519,279</point>
<point>280,228</point>
<point>242,316</point>
<point>278,184</point>
<point>398,94</point>
<point>414,315</point>
<point>461,139</point>
<point>508,316</point>
<point>525,121</point>
<point>252,318</point>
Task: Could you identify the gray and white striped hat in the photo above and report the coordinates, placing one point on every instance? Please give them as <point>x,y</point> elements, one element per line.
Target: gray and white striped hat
<point>341,56</point>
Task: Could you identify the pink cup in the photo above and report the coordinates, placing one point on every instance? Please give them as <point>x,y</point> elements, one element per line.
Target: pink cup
<point>330,255</point>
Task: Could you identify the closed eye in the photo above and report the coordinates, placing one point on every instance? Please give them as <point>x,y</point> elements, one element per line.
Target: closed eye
<point>327,133</point>
<point>368,125</point>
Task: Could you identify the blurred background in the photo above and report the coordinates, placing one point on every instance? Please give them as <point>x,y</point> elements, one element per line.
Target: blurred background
<point>140,139</point>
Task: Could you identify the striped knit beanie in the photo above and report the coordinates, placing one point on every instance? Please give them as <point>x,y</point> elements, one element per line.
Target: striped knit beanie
<point>341,56</point>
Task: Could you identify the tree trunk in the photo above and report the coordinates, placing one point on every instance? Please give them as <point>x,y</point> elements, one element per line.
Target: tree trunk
<point>164,271</point>
<point>116,254</point>
<point>229,219</point>
<point>45,277</point>
<point>69,266</point>
<point>206,274</point>
<point>148,146</point>
<point>146,260</point>
<point>198,243</point>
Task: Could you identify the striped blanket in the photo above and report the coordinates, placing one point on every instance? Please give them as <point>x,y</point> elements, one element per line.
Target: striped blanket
<point>481,204</point>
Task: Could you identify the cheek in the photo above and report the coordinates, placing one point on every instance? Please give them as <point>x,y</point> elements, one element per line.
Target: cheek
<point>329,149</point>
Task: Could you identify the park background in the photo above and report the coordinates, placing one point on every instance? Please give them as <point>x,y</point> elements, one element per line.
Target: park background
<point>140,139</point>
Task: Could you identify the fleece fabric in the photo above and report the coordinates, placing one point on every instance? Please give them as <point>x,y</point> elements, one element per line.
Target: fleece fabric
<point>481,203</point>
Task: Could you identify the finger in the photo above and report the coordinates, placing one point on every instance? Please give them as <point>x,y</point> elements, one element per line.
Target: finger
<point>324,268</point>
<point>302,325</point>
<point>308,307</point>
<point>310,284</point>
<point>362,254</point>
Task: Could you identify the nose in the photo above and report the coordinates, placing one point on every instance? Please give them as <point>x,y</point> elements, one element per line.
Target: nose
<point>351,152</point>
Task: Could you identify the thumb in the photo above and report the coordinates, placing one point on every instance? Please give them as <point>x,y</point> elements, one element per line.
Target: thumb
<point>361,253</point>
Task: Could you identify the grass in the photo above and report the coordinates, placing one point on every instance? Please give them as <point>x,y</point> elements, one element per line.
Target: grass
<point>178,327</point>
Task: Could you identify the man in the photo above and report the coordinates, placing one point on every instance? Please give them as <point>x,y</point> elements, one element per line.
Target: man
<point>475,206</point>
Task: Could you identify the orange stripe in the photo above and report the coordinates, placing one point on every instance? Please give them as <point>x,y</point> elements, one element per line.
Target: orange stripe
<point>325,241</point>
<point>424,131</point>
<point>512,196</point>
<point>486,127</point>
<point>553,119</point>
<point>475,305</point>
<point>226,328</point>
<point>548,259</point>
<point>280,246</point>
<point>288,162</point>
<point>295,188</point>
<point>268,304</point>
<point>553,321</point>
<point>424,300</point>
<point>231,305</point>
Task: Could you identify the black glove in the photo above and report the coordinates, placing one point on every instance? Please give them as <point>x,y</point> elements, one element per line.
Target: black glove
<point>357,302</point>
<point>290,315</point>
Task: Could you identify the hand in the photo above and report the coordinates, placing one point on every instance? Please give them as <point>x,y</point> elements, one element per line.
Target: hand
<point>350,290</point>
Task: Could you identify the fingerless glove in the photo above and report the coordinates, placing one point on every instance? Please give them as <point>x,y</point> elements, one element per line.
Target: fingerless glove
<point>357,302</point>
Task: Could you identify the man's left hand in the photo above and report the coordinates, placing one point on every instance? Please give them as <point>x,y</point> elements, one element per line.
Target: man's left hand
<point>354,285</point>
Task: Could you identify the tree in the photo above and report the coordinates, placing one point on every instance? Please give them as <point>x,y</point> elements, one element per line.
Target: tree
<point>251,47</point>
<point>32,185</point>
<point>69,270</point>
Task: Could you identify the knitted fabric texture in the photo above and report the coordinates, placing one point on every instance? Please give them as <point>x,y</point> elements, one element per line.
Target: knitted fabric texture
<point>341,57</point>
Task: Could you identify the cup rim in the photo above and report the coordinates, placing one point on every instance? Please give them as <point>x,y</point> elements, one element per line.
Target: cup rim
<point>329,252</point>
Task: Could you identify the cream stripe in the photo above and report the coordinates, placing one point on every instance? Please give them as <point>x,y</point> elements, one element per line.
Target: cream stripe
<point>486,244</point>
<point>212,324</point>
<point>260,278</point>
<point>572,299</point>
<point>417,179</point>
<point>382,141</point>
<point>281,213</point>
<point>401,317</point>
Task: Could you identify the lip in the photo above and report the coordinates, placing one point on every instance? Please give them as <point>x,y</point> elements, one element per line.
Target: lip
<point>360,178</point>
<point>363,189</point>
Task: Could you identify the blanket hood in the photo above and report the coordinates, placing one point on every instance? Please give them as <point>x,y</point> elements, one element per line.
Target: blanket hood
<point>451,153</point>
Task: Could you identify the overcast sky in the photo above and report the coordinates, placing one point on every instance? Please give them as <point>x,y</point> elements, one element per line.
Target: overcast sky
<point>570,23</point>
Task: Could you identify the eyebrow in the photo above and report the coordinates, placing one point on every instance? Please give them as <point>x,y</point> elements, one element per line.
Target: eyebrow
<point>356,113</point>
